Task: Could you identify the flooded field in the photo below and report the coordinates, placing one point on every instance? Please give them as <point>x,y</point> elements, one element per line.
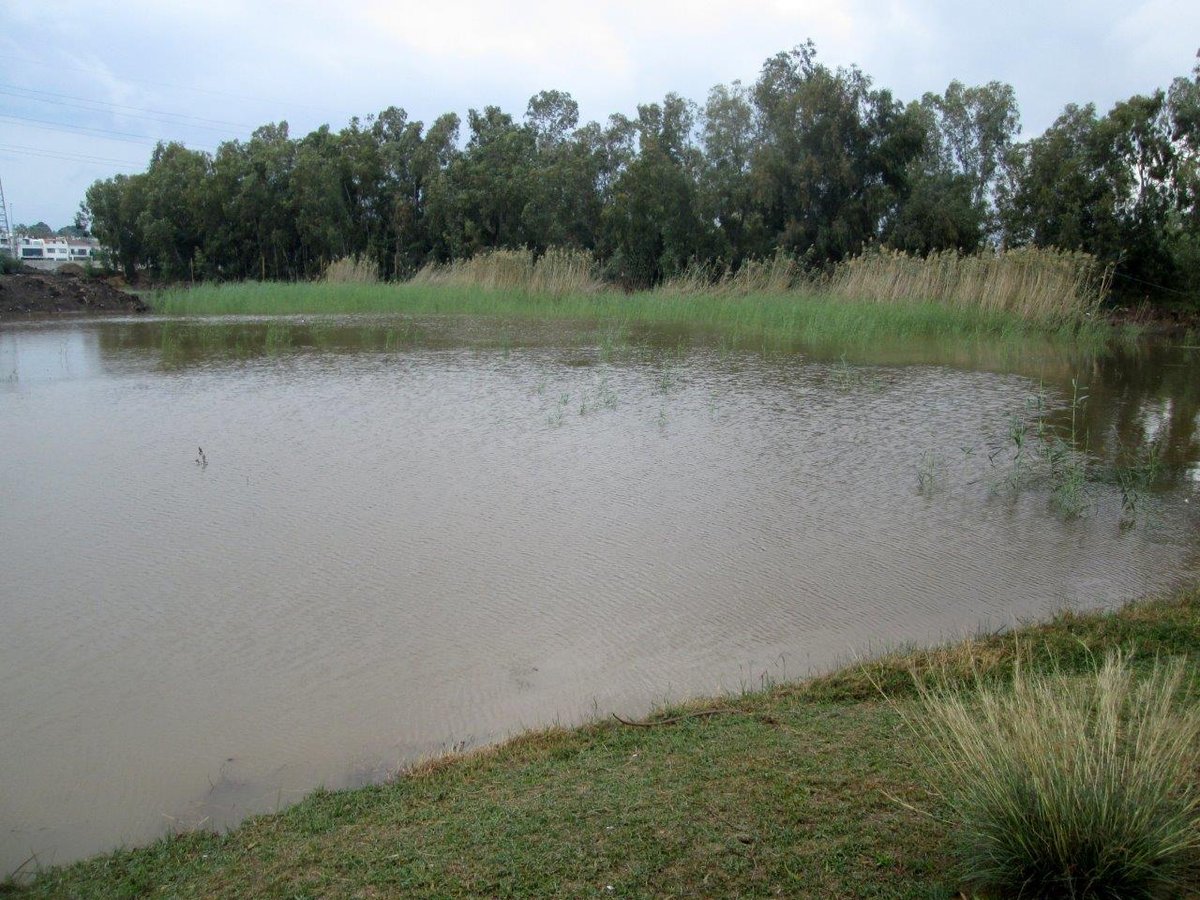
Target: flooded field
<point>244,559</point>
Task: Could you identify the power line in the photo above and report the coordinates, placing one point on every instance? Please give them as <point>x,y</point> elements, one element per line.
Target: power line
<point>65,126</point>
<point>176,87</point>
<point>131,111</point>
<point>1160,287</point>
<point>70,157</point>
<point>122,136</point>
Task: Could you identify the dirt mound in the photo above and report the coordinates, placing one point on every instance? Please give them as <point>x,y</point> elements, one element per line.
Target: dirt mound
<point>43,292</point>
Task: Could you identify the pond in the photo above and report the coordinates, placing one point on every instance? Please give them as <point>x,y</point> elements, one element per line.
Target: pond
<point>246,558</point>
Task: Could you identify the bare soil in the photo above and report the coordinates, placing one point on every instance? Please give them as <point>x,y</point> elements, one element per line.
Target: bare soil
<point>32,292</point>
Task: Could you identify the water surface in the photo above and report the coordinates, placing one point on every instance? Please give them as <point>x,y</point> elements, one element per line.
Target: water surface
<point>406,536</point>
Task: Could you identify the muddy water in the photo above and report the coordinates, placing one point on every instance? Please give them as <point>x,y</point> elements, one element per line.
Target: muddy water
<point>408,536</point>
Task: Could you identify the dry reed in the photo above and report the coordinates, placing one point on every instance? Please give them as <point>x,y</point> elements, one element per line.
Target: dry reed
<point>1035,284</point>
<point>776,275</point>
<point>1030,282</point>
<point>557,272</point>
<point>351,270</point>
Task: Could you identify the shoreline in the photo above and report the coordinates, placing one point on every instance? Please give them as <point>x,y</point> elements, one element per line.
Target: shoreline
<point>66,295</point>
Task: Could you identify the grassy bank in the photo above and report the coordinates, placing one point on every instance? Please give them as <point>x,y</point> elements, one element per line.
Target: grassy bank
<point>773,302</point>
<point>805,789</point>
<point>774,319</point>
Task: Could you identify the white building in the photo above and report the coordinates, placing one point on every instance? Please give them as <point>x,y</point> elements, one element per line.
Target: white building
<point>50,253</point>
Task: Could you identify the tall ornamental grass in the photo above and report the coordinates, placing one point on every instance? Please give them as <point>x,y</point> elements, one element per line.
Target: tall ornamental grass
<point>1072,787</point>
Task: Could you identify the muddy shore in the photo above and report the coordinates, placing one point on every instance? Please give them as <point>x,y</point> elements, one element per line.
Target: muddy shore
<point>31,293</point>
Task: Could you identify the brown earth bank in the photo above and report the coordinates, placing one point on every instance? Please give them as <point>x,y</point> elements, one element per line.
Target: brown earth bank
<point>31,292</point>
<point>1166,319</point>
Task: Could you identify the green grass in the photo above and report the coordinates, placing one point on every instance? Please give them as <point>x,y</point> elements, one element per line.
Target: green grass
<point>807,789</point>
<point>772,319</point>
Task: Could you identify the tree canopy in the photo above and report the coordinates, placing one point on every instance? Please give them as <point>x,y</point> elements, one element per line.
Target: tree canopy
<point>808,160</point>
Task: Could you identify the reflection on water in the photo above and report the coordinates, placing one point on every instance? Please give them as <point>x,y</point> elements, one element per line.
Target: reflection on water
<point>412,535</point>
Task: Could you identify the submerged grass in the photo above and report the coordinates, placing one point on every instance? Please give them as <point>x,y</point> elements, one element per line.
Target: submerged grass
<point>1036,450</point>
<point>804,790</point>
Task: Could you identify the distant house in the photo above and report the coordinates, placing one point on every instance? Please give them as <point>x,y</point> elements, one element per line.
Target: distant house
<point>50,253</point>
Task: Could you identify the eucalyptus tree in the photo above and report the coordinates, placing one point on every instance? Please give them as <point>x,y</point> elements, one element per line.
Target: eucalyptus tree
<point>651,227</point>
<point>1065,188</point>
<point>939,213</point>
<point>391,171</point>
<point>1183,103</point>
<point>418,216</point>
<point>832,164</point>
<point>954,181</point>
<point>320,201</point>
<point>255,236</point>
<point>177,210</point>
<point>1113,185</point>
<point>809,160</point>
<point>478,201</point>
<point>729,134</point>
<point>114,206</point>
<point>564,202</point>
<point>974,129</point>
<point>366,191</point>
<point>1137,132</point>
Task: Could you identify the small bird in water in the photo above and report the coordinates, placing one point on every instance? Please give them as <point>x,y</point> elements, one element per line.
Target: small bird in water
<point>201,460</point>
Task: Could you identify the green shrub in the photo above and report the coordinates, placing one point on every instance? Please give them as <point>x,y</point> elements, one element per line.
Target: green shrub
<point>1065,786</point>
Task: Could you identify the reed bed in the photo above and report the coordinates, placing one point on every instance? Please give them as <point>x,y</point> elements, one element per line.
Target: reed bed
<point>556,273</point>
<point>780,274</point>
<point>775,321</point>
<point>351,270</point>
<point>769,302</point>
<point>1033,283</point>
<point>1032,286</point>
<point>1069,786</point>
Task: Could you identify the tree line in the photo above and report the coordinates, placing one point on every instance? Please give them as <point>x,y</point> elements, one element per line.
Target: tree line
<point>811,161</point>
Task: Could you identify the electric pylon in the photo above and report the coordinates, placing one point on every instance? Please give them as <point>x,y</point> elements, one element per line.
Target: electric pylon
<point>4,226</point>
<point>6,235</point>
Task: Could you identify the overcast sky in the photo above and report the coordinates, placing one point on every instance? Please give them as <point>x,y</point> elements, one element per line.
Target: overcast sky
<point>87,89</point>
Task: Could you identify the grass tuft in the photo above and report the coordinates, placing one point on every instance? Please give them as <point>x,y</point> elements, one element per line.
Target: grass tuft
<point>1069,786</point>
